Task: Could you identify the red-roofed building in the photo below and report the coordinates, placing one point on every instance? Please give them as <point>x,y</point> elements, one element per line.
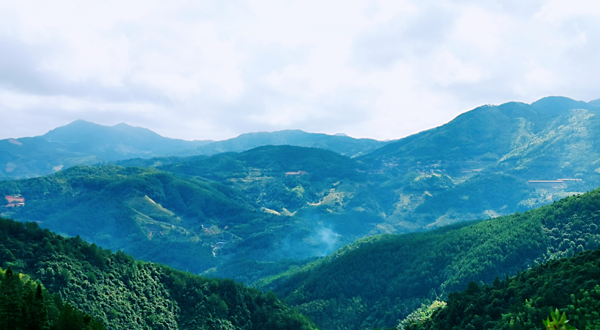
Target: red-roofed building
<point>15,198</point>
<point>14,201</point>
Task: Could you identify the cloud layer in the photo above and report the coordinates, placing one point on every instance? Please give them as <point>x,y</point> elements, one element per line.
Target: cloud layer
<point>215,69</point>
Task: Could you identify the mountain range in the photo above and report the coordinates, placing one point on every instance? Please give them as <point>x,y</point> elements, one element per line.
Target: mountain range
<point>85,143</point>
<point>287,203</point>
<point>354,233</point>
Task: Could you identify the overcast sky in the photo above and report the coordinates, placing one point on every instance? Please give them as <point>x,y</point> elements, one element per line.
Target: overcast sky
<point>215,69</point>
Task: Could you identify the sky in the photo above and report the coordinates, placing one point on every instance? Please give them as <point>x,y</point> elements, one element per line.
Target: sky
<point>201,69</point>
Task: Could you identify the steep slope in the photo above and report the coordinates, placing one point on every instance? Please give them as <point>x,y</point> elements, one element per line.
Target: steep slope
<point>341,144</point>
<point>379,280</point>
<point>510,145</point>
<point>571,285</point>
<point>482,135</point>
<point>79,143</point>
<point>128,294</point>
<point>26,304</point>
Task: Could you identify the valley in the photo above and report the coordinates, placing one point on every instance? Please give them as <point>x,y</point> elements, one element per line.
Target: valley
<point>336,227</point>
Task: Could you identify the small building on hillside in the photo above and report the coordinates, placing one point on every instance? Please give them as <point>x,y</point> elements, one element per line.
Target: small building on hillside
<point>296,173</point>
<point>14,201</point>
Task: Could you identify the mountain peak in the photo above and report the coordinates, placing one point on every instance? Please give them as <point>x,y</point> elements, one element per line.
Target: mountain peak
<point>122,125</point>
<point>558,104</point>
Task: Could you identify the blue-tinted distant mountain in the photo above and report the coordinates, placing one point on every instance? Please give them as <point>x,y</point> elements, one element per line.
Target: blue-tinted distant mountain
<point>485,133</point>
<point>595,103</point>
<point>492,152</point>
<point>82,142</point>
<point>476,166</point>
<point>339,143</point>
<point>115,142</point>
<point>85,143</point>
<point>555,137</point>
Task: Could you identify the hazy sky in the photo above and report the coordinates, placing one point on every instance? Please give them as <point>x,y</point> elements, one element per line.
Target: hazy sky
<point>215,69</point>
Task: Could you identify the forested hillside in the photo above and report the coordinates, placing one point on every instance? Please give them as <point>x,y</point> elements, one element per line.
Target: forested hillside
<point>379,280</point>
<point>514,136</point>
<point>548,140</point>
<point>571,285</point>
<point>126,294</point>
<point>146,212</point>
<point>288,203</point>
<point>27,305</point>
<point>477,166</point>
<point>188,223</point>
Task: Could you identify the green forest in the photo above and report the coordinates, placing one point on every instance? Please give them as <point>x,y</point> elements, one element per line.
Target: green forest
<point>262,206</point>
<point>27,305</point>
<point>378,281</point>
<point>123,293</point>
<point>571,285</point>
<point>352,237</point>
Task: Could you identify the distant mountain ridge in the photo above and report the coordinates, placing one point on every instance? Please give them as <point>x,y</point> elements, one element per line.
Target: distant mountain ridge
<point>82,143</point>
<point>484,133</point>
<point>339,143</point>
<point>86,143</point>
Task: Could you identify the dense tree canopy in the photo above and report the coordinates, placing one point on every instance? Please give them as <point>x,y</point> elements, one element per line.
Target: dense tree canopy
<point>379,280</point>
<point>123,293</point>
<point>571,285</point>
<point>27,305</point>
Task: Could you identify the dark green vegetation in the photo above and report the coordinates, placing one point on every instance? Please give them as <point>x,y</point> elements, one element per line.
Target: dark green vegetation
<point>27,305</point>
<point>571,285</point>
<point>379,280</point>
<point>126,294</point>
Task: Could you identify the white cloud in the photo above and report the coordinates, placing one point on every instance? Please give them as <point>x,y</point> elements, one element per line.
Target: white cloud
<point>214,69</point>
